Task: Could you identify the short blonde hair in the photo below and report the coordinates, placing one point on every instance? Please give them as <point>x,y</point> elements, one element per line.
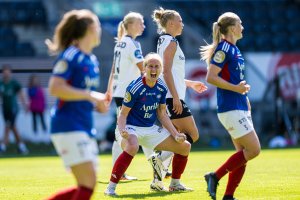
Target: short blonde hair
<point>151,56</point>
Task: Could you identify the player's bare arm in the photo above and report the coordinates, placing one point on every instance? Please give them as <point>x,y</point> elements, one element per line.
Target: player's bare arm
<point>122,121</point>
<point>213,78</point>
<point>197,86</point>
<point>167,124</point>
<point>168,76</point>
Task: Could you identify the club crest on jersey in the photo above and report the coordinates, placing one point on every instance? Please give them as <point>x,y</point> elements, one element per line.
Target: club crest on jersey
<point>219,57</point>
<point>138,54</point>
<point>60,67</point>
<point>158,96</point>
<point>127,97</point>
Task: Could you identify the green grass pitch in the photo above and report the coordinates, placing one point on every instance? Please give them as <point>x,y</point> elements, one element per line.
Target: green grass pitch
<point>275,174</point>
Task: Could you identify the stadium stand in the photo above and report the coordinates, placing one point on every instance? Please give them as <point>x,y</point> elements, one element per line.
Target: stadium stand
<point>269,25</point>
<point>19,13</point>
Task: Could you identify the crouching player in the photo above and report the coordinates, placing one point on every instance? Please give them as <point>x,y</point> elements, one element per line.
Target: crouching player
<point>144,102</point>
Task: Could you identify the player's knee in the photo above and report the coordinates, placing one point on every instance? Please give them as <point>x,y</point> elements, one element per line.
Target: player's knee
<point>195,137</point>
<point>256,152</point>
<point>253,153</point>
<point>186,148</point>
<point>88,182</point>
<point>132,149</point>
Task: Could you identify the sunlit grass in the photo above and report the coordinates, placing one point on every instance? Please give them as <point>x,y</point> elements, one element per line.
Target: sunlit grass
<point>275,174</point>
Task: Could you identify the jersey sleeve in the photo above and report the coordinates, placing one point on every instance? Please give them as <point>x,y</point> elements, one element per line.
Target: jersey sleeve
<point>130,97</point>
<point>163,91</point>
<point>163,42</point>
<point>221,55</point>
<point>163,97</point>
<point>135,52</point>
<point>62,69</point>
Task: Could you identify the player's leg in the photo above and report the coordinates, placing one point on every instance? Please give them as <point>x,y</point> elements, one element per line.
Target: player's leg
<point>242,131</point>
<point>187,126</point>
<point>79,152</point>
<point>34,122</point>
<point>131,147</point>
<point>116,152</point>
<point>181,152</point>
<point>21,145</point>
<point>6,116</point>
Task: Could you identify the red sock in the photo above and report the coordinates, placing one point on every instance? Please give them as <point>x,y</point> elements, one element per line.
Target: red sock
<point>120,166</point>
<point>178,165</point>
<point>235,161</point>
<point>82,193</point>
<point>234,180</point>
<point>63,194</point>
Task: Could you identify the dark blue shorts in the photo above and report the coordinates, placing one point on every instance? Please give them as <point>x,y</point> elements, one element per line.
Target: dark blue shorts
<point>9,117</point>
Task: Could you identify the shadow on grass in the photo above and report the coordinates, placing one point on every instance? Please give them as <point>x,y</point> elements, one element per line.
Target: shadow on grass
<point>125,181</point>
<point>147,195</point>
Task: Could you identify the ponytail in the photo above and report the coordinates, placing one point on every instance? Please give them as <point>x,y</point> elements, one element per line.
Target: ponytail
<point>207,51</point>
<point>121,31</point>
<point>219,28</point>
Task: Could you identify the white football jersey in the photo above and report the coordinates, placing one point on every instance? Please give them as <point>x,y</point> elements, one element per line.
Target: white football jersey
<point>127,54</point>
<point>178,67</point>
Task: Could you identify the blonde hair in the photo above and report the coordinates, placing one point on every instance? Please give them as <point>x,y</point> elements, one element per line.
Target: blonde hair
<point>123,25</point>
<point>151,56</point>
<point>219,28</point>
<point>161,17</point>
<point>73,26</point>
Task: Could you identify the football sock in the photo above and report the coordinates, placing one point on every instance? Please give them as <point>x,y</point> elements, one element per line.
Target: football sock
<point>178,165</point>
<point>64,194</point>
<point>147,152</point>
<point>166,157</point>
<point>234,180</point>
<point>116,151</point>
<point>120,166</point>
<point>174,181</point>
<point>82,193</point>
<point>235,161</point>
<point>112,185</point>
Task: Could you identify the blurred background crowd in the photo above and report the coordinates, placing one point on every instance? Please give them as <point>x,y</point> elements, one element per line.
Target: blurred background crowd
<point>271,47</point>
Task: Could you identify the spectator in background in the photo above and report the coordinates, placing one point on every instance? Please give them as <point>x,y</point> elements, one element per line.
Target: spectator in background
<point>36,102</point>
<point>74,82</point>
<point>226,70</point>
<point>9,90</point>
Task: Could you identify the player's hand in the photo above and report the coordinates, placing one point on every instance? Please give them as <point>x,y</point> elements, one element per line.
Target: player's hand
<point>100,101</point>
<point>108,95</point>
<point>243,87</point>
<point>177,106</point>
<point>124,134</point>
<point>102,106</point>
<point>198,86</point>
<point>180,137</point>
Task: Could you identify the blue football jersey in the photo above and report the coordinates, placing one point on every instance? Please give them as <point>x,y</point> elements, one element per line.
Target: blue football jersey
<point>80,71</point>
<point>143,101</point>
<point>229,58</point>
